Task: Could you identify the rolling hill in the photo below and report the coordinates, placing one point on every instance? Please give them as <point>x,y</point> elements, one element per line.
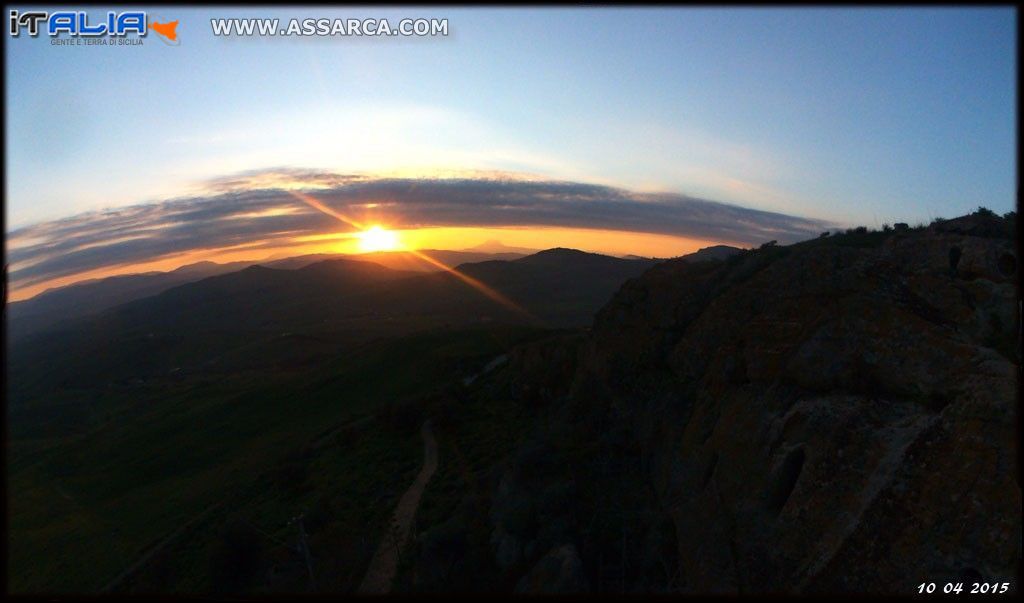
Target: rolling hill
<point>262,318</point>
<point>193,393</point>
<point>59,305</point>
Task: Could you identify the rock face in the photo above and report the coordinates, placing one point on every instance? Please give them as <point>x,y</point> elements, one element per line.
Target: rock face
<point>836,415</point>
<point>558,572</point>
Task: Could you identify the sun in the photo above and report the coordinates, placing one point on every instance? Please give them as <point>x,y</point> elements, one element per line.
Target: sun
<point>376,238</point>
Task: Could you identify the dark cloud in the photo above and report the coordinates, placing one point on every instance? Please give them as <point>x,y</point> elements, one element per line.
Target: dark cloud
<point>234,213</point>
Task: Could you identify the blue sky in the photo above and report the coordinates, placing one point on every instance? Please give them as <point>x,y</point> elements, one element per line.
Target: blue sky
<point>859,116</point>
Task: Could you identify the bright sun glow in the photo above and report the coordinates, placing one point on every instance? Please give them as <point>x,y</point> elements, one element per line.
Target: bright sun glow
<point>377,239</point>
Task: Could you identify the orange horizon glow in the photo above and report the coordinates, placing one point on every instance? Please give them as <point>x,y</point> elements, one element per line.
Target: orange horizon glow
<point>412,241</point>
<point>378,240</point>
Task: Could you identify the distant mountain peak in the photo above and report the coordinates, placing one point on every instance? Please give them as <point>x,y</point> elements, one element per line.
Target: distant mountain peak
<point>496,246</point>
<point>195,265</point>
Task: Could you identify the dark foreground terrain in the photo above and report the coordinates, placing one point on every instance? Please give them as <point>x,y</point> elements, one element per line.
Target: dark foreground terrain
<point>836,415</point>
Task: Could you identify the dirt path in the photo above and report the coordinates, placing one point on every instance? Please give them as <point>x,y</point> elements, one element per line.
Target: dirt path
<point>384,564</point>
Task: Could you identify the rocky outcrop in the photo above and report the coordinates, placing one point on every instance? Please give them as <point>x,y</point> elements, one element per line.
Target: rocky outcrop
<point>541,372</point>
<point>836,415</point>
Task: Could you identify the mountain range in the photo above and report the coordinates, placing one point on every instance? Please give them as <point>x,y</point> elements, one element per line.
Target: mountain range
<point>290,313</point>
<point>92,296</point>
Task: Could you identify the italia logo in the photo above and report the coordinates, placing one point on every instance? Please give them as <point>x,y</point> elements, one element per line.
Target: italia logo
<point>76,24</point>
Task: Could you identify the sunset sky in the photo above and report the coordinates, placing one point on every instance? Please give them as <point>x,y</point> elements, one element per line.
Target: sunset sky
<point>652,132</point>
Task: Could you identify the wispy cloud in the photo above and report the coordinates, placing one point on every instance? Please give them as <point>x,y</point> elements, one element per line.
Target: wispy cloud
<point>254,208</point>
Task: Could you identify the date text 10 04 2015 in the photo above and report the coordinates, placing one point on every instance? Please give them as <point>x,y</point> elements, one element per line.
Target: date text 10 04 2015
<point>956,588</point>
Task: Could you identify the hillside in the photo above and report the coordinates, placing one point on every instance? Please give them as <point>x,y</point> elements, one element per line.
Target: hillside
<point>831,416</point>
<point>203,393</point>
<point>60,305</point>
<point>263,318</point>
<point>82,299</point>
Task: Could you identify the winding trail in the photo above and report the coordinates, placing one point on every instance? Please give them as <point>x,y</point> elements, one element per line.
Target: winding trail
<point>384,563</point>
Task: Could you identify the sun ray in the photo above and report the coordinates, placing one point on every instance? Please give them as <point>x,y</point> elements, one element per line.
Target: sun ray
<point>481,287</point>
<point>317,205</point>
